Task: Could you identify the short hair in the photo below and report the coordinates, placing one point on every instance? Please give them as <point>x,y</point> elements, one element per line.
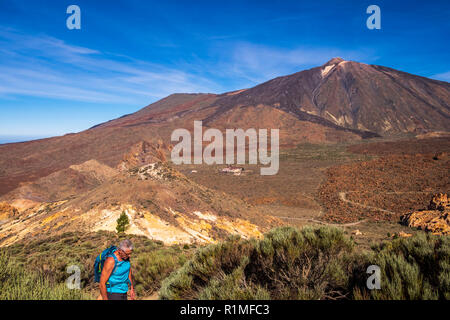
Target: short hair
<point>126,245</point>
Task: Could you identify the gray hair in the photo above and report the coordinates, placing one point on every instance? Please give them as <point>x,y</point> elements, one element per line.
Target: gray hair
<point>126,245</point>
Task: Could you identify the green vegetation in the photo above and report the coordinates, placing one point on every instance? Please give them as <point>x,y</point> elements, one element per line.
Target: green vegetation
<point>152,267</point>
<point>122,223</point>
<point>411,268</point>
<point>313,264</point>
<point>288,263</point>
<point>17,283</point>
<point>151,260</point>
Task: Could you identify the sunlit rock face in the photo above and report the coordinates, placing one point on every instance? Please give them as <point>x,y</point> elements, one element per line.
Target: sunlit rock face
<point>435,220</point>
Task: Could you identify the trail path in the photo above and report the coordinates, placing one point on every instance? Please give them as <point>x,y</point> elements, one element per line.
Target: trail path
<point>322,222</point>
<point>343,197</point>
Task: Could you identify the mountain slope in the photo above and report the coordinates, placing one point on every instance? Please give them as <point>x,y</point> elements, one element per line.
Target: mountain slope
<point>355,96</point>
<point>161,204</point>
<point>338,101</point>
<point>63,184</point>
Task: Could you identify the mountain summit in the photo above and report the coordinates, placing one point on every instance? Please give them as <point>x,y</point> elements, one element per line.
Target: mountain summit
<point>333,61</point>
<point>356,96</point>
<point>367,100</point>
<point>338,101</point>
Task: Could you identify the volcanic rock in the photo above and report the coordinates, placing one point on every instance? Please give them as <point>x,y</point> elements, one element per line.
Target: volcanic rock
<point>435,220</point>
<point>7,211</point>
<point>144,153</point>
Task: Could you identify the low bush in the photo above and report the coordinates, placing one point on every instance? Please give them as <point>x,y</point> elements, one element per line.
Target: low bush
<point>152,267</point>
<point>17,283</point>
<point>313,263</point>
<point>286,264</point>
<point>411,268</point>
<point>151,261</point>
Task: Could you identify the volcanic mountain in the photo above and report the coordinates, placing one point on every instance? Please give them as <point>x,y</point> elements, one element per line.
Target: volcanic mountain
<point>338,101</point>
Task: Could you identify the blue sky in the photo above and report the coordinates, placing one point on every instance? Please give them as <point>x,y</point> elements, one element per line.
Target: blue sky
<point>131,53</point>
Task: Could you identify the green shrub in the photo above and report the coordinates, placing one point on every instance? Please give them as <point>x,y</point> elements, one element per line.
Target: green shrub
<point>411,268</point>
<point>151,268</point>
<point>287,264</point>
<point>233,286</point>
<point>313,263</point>
<point>151,261</point>
<point>17,283</point>
<point>302,264</point>
<point>208,261</point>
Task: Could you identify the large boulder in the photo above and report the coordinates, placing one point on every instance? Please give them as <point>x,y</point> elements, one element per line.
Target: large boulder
<point>435,220</point>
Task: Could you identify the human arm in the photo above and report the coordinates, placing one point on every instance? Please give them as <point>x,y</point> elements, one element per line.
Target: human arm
<point>132,294</point>
<point>106,273</point>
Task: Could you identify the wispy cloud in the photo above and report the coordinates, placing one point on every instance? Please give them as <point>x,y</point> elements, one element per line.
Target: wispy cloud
<point>258,63</point>
<point>43,66</point>
<point>442,76</point>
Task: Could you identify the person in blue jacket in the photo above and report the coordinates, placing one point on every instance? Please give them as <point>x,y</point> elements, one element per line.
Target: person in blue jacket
<point>115,280</point>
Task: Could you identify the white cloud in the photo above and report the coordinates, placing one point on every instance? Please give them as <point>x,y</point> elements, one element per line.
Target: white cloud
<point>44,66</point>
<point>258,63</point>
<point>442,76</point>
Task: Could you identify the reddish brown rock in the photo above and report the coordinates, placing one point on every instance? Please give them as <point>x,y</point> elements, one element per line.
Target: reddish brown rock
<point>144,153</point>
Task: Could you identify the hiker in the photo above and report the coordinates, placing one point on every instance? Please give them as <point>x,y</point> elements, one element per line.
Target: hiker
<point>115,279</point>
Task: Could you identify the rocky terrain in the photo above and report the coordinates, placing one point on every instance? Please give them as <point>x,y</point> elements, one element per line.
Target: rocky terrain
<point>338,101</point>
<point>7,211</point>
<point>436,219</point>
<point>383,188</point>
<point>363,98</point>
<point>160,202</point>
<point>344,159</point>
<point>144,153</point>
<point>63,184</point>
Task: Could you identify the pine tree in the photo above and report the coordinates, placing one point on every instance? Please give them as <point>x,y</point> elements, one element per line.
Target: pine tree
<point>122,223</point>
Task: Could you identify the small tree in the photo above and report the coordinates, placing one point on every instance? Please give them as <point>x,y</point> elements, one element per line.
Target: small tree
<point>122,223</point>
